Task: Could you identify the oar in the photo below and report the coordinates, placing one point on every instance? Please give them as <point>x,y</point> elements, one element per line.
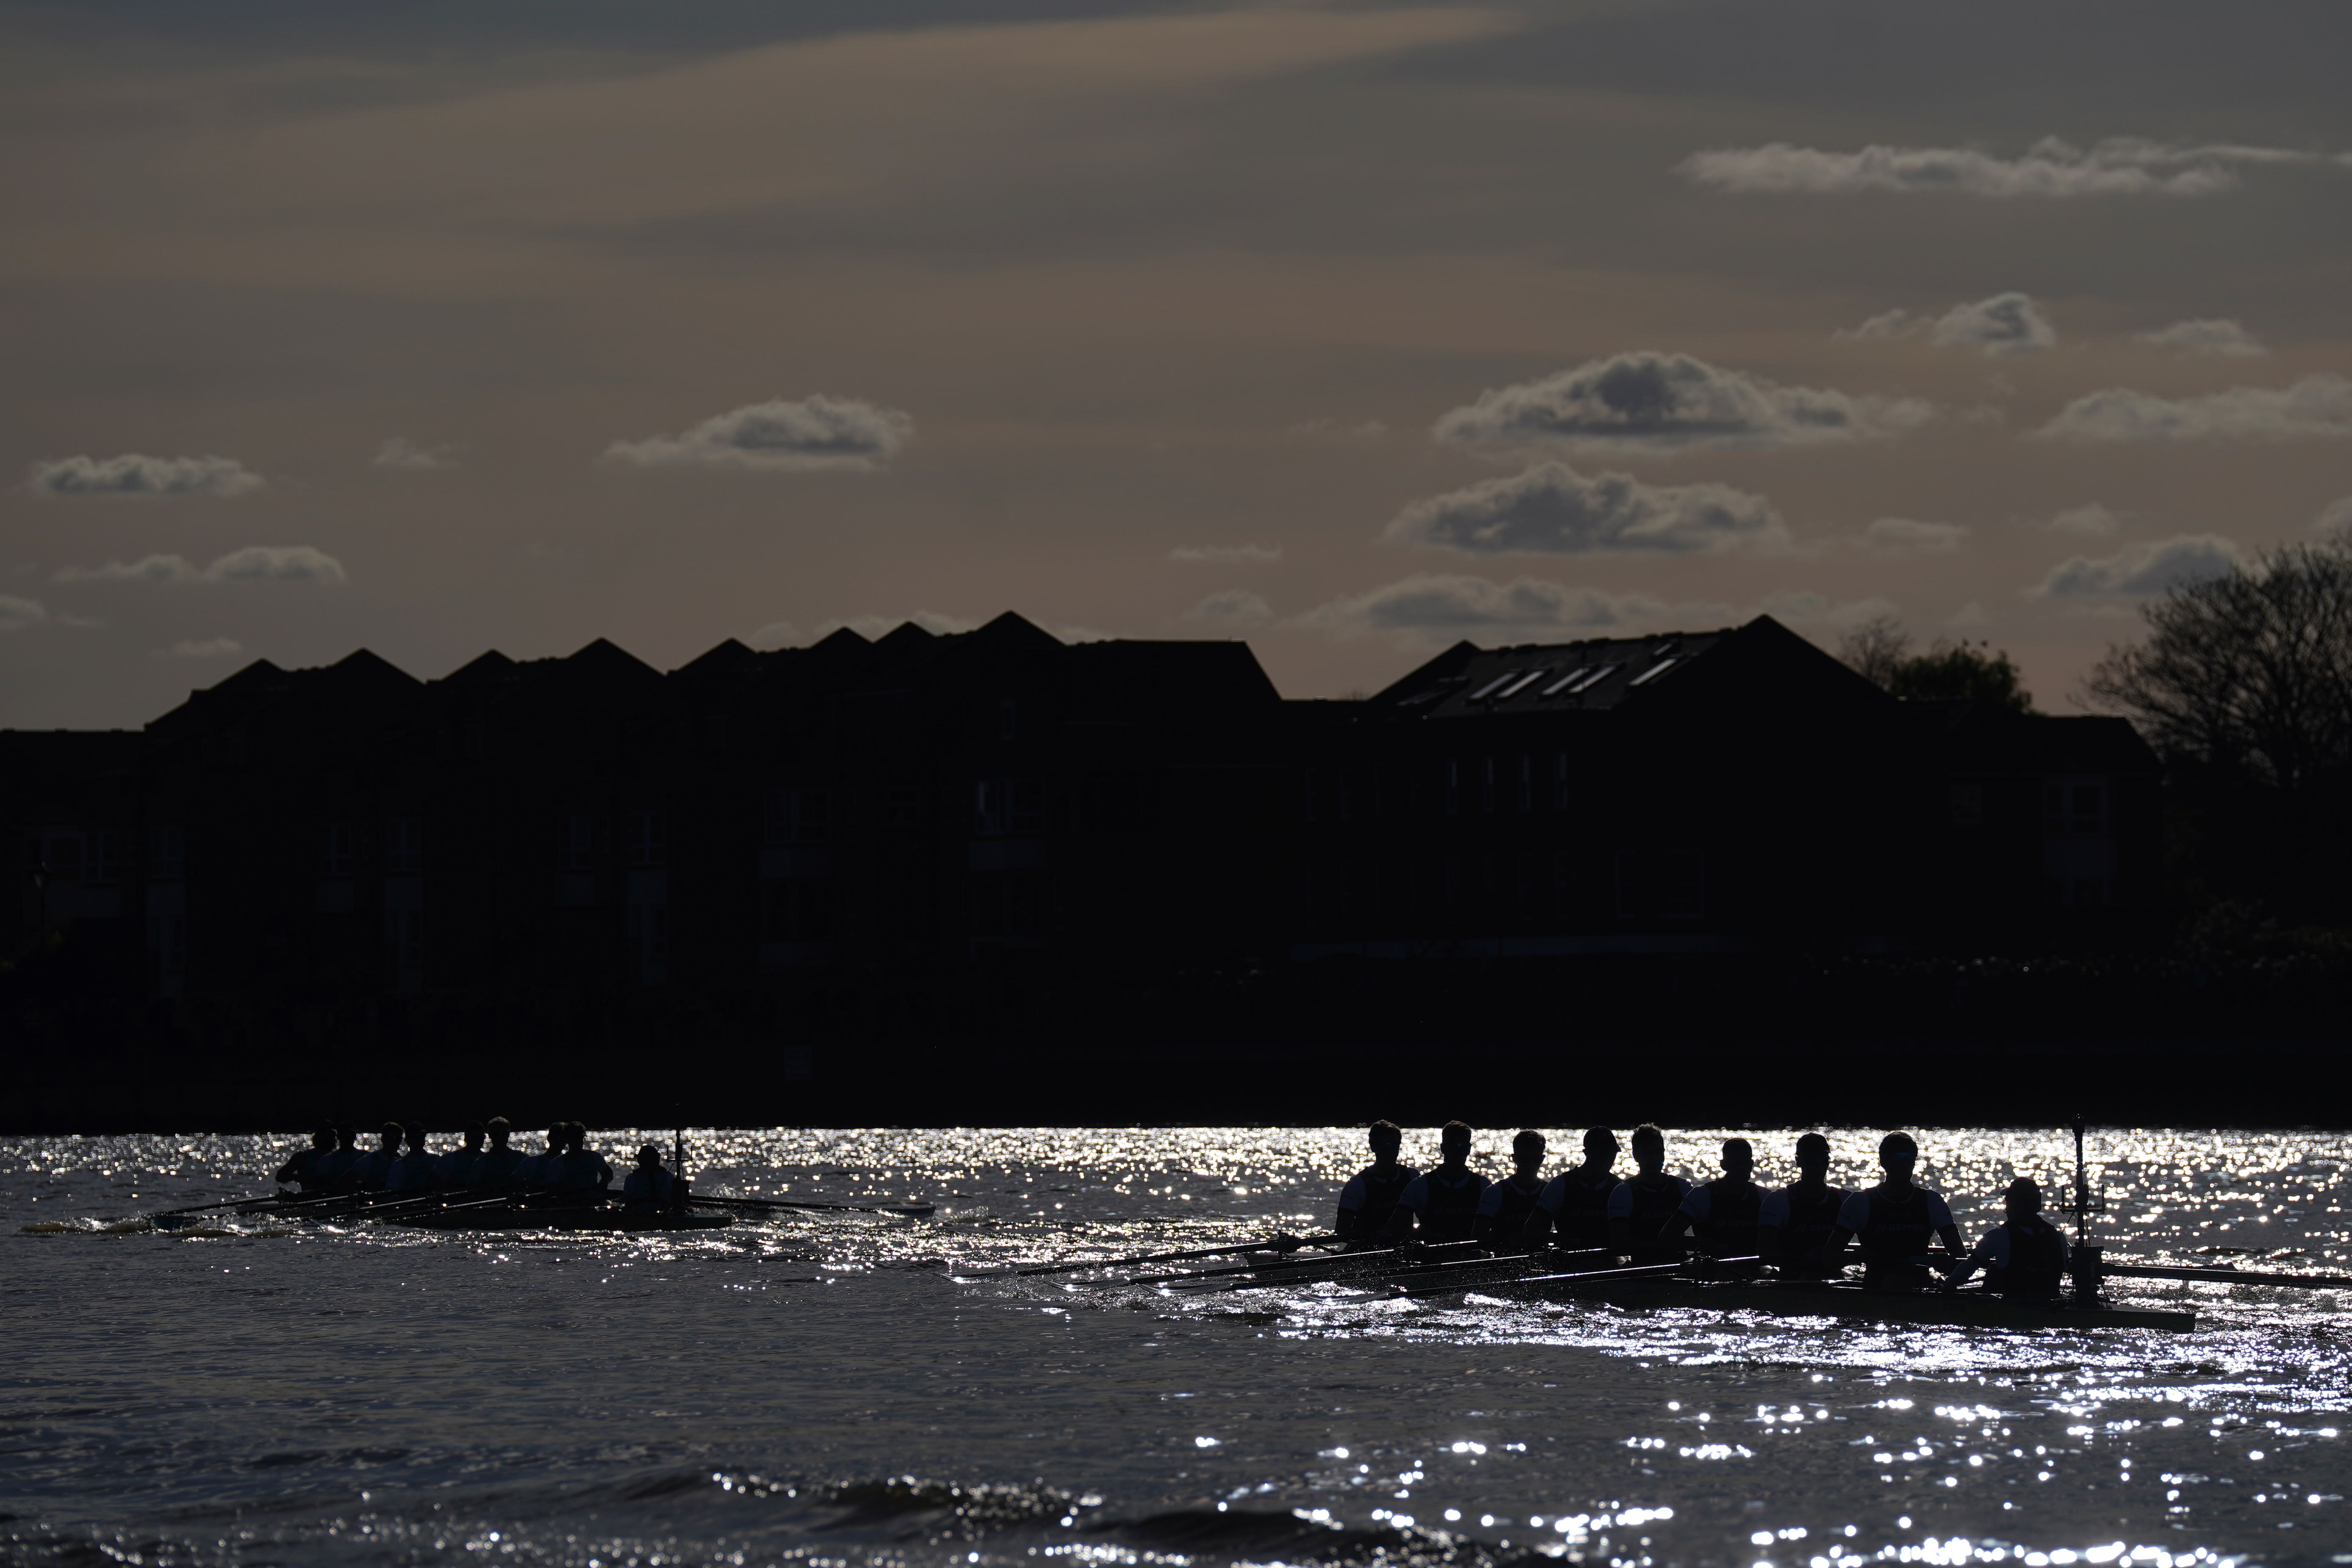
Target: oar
<point>1582,1276</point>
<point>1285,1244</point>
<point>229,1204</point>
<point>1344,1263</point>
<point>2227,1276</point>
<point>912,1211</point>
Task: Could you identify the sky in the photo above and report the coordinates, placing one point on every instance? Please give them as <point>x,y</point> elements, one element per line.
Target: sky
<point>1349,330</point>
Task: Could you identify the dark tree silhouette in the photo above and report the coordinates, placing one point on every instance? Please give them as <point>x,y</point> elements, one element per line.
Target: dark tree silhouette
<point>1880,649</point>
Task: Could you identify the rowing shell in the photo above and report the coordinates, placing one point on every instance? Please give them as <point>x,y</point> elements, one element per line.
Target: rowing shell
<point>1824,1299</point>
<point>561,1219</point>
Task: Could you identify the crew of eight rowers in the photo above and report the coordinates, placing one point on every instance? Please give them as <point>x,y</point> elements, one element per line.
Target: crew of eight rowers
<point>1803,1228</point>
<point>567,1171</point>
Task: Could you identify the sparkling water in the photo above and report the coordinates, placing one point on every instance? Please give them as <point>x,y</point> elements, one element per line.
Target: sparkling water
<point>844,1388</point>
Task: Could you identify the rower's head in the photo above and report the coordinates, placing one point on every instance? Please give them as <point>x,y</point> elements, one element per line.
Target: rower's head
<point>2023,1198</point>
<point>415,1137</point>
<point>500,1130</point>
<point>474,1134</point>
<point>323,1140</point>
<point>1453,1143</point>
<point>1528,1152</point>
<point>347,1137</point>
<point>575,1136</point>
<point>1897,1154</point>
<point>555,1137</point>
<point>1599,1148</point>
<point>1649,1147</point>
<point>1386,1138</point>
<point>649,1157</point>
<point>392,1134</point>
<point>1813,1157</point>
<point>1739,1157</point>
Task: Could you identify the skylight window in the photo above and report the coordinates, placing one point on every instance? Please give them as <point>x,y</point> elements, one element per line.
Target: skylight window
<point>1595,679</point>
<point>1655,671</point>
<point>1557,687</point>
<point>1494,686</point>
<point>1530,678</point>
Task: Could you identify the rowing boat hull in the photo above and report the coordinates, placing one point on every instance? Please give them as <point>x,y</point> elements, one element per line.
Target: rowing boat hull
<point>1818,1299</point>
<point>612,1220</point>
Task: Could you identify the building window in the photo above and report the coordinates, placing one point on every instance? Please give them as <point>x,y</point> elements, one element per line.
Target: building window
<point>2074,808</point>
<point>902,805</point>
<point>168,860</point>
<point>579,845</point>
<point>343,849</point>
<point>1008,905</point>
<point>1967,805</point>
<point>648,839</point>
<point>105,862</point>
<point>1008,805</point>
<point>403,847</point>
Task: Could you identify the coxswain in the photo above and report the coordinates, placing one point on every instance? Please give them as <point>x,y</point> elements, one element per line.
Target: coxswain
<point>1371,1194</point>
<point>372,1173</point>
<point>1721,1214</point>
<point>1644,1201</point>
<point>1795,1222</point>
<point>303,1170</point>
<point>418,1172</point>
<point>1442,1205</point>
<point>336,1171</point>
<point>1572,1211</point>
<point>2024,1256</point>
<point>497,1167</point>
<point>457,1165</point>
<point>1503,1212</point>
<point>1895,1223</point>
<point>650,1189</point>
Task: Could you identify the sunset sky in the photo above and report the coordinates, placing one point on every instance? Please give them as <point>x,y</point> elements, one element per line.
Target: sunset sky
<point>1350,329</point>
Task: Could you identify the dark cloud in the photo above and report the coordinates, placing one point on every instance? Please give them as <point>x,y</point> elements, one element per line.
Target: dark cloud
<point>2142,570</point>
<point>2007,323</point>
<point>253,564</point>
<point>1552,510</point>
<point>2317,407</point>
<point>1902,535</point>
<point>816,432</point>
<point>400,452</point>
<point>1463,607</point>
<point>2051,168</point>
<point>132,474</point>
<point>1235,607</point>
<point>1666,402</point>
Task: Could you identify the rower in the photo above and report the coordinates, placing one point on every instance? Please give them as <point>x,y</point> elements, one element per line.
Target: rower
<point>542,1171</point>
<point>1644,1201</point>
<point>498,1167</point>
<point>1574,1204</point>
<point>1371,1194</point>
<point>303,1170</point>
<point>372,1173</point>
<point>418,1171</point>
<point>574,1174</point>
<point>1442,1204</point>
<point>1794,1223</point>
<point>1503,1212</point>
<point>336,1170</point>
<point>649,1188</point>
<point>2025,1255</point>
<point>1896,1222</point>
<point>457,1166</point>
<point>1722,1215</point>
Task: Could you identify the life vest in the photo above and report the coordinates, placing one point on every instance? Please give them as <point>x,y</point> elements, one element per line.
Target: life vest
<point>1510,1215</point>
<point>1895,1237</point>
<point>1729,1228</point>
<point>1812,1214</point>
<point>2037,1260</point>
<point>1651,1208</point>
<point>1381,1196</point>
<point>1452,1210</point>
<point>1583,1217</point>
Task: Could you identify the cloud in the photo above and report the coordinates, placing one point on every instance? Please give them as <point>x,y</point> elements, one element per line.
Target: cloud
<point>1665,401</point>
<point>775,634</point>
<point>817,432</point>
<point>2007,323</point>
<point>2118,166</point>
<point>2317,407</point>
<point>1550,509</point>
<point>1900,536</point>
<point>2334,519</point>
<point>400,452</point>
<point>1232,607</point>
<point>2141,571</point>
<point>1448,606</point>
<point>1804,606</point>
<point>132,474</point>
<point>2205,335</point>
<point>253,564</point>
<point>1226,554</point>
<point>2091,521</point>
<point>21,614</point>
<point>207,648</point>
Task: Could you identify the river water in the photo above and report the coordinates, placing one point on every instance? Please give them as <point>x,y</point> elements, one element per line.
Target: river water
<point>836,1390</point>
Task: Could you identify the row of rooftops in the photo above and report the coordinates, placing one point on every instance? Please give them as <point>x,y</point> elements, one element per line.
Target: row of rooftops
<point>1596,673</point>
